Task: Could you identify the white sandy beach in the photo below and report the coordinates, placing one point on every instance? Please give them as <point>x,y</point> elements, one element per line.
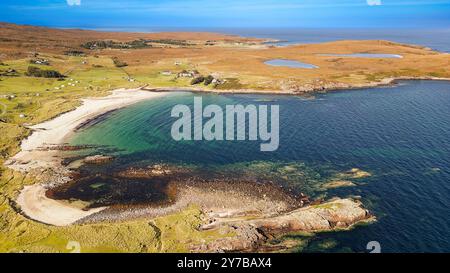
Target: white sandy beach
<point>37,206</point>
<point>32,199</point>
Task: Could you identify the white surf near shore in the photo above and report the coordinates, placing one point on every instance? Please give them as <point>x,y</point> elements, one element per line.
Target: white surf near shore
<point>32,199</point>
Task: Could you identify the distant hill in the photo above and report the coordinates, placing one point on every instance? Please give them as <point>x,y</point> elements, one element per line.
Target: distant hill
<point>19,40</point>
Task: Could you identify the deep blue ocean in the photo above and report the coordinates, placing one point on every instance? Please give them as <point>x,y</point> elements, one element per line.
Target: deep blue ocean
<point>437,38</point>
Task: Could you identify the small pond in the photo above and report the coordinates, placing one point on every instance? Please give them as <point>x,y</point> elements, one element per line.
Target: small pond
<point>290,63</point>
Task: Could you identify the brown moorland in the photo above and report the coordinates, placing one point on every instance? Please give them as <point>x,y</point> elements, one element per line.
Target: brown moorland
<point>237,58</point>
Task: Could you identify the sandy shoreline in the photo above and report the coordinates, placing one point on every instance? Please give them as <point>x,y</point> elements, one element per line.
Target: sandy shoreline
<point>33,157</point>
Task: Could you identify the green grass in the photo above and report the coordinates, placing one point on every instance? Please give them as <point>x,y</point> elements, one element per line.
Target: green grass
<point>231,84</point>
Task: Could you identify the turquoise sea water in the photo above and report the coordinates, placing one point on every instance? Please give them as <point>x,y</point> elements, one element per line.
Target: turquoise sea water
<point>400,134</point>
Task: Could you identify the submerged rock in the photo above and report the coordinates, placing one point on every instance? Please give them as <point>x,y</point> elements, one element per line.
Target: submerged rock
<point>355,173</point>
<point>150,171</point>
<point>98,159</point>
<point>337,184</point>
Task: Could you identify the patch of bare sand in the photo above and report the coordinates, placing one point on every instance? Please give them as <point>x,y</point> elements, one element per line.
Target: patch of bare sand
<point>36,205</point>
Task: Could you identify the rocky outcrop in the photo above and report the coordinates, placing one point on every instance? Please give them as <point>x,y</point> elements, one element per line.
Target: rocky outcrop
<point>341,213</point>
<point>150,171</point>
<point>251,234</point>
<point>98,159</point>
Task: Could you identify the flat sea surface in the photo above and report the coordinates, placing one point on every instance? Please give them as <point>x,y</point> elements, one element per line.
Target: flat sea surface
<point>435,38</point>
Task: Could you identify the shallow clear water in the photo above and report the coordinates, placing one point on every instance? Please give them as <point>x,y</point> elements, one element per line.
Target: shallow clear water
<point>400,134</point>
<point>366,55</point>
<point>289,63</point>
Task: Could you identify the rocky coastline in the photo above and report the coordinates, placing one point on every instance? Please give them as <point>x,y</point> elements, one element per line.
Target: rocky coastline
<point>318,86</point>
<point>255,213</point>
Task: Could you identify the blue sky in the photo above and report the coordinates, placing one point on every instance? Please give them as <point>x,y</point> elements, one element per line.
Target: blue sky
<point>140,14</point>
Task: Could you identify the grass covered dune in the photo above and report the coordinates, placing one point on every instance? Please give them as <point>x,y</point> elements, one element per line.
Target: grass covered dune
<point>91,69</point>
